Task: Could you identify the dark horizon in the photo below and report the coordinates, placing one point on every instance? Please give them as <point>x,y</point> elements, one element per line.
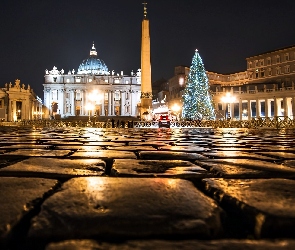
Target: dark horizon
<point>38,35</point>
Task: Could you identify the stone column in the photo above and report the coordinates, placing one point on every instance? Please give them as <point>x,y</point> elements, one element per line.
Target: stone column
<point>102,105</point>
<point>249,110</point>
<point>123,98</point>
<point>289,107</point>
<point>285,103</point>
<point>240,109</point>
<point>85,102</point>
<point>13,110</point>
<point>258,108</point>
<point>266,108</point>
<point>60,95</point>
<point>73,102</point>
<point>82,102</point>
<point>231,106</point>
<point>132,104</point>
<point>275,106</point>
<point>49,101</point>
<point>109,103</point>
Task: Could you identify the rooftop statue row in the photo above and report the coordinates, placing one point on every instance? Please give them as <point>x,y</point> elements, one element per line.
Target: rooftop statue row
<point>17,85</point>
<point>55,71</point>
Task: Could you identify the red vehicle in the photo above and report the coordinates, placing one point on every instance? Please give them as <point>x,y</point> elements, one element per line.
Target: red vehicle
<point>164,121</point>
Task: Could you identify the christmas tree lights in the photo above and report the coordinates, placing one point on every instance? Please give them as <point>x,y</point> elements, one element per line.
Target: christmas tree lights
<point>197,99</point>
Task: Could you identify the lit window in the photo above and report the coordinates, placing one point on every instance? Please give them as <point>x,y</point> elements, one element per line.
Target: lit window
<point>78,95</point>
<point>126,81</point>
<point>78,80</point>
<point>68,80</point>
<point>106,80</point>
<point>256,73</point>
<point>287,69</point>
<point>117,81</point>
<point>117,96</point>
<point>89,80</point>
<point>106,96</point>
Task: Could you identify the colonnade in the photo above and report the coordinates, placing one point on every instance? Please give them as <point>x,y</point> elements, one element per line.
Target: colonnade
<point>246,109</point>
<point>76,102</point>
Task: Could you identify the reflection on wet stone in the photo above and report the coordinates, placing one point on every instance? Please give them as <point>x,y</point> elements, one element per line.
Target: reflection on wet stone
<point>141,188</point>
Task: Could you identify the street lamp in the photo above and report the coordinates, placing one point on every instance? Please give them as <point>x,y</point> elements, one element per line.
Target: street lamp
<point>181,81</point>
<point>229,99</point>
<point>89,107</point>
<point>18,114</point>
<point>176,109</point>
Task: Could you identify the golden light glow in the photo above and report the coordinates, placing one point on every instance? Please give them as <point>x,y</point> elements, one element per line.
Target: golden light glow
<point>176,107</point>
<point>228,98</point>
<point>89,107</point>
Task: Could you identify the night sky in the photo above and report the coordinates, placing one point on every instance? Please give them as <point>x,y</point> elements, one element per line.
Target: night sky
<point>39,34</point>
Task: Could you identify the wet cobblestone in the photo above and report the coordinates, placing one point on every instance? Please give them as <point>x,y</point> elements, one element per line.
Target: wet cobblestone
<point>91,188</point>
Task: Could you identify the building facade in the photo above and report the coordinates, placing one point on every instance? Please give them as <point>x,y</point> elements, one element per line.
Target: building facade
<point>92,91</point>
<point>265,89</point>
<point>19,102</point>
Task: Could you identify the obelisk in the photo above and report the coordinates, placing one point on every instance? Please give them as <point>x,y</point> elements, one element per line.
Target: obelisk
<point>146,79</point>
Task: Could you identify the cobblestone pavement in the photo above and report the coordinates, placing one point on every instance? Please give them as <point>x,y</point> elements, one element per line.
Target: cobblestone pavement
<point>86,188</point>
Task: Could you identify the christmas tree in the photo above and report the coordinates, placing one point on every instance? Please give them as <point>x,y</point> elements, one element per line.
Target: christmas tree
<point>197,100</point>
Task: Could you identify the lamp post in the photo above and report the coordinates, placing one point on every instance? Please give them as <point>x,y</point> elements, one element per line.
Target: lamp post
<point>89,107</point>
<point>228,99</point>
<point>176,109</point>
<point>18,114</point>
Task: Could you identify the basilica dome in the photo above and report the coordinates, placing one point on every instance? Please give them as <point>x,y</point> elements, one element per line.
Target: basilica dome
<point>93,65</point>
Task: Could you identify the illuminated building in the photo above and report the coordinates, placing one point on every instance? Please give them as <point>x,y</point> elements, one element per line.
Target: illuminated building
<point>265,89</point>
<point>92,90</point>
<point>19,102</point>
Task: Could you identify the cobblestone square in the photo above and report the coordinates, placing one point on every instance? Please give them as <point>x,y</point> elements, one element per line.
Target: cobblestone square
<point>94,188</point>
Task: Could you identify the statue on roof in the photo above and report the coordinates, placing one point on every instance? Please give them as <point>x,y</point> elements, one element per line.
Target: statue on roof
<point>17,82</point>
<point>54,71</point>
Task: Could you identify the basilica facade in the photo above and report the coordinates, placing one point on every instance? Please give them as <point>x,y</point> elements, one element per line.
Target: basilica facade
<point>91,91</point>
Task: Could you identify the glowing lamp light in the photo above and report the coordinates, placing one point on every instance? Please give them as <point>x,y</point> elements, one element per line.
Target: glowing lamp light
<point>175,108</point>
<point>228,98</point>
<point>89,106</point>
<point>181,81</point>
